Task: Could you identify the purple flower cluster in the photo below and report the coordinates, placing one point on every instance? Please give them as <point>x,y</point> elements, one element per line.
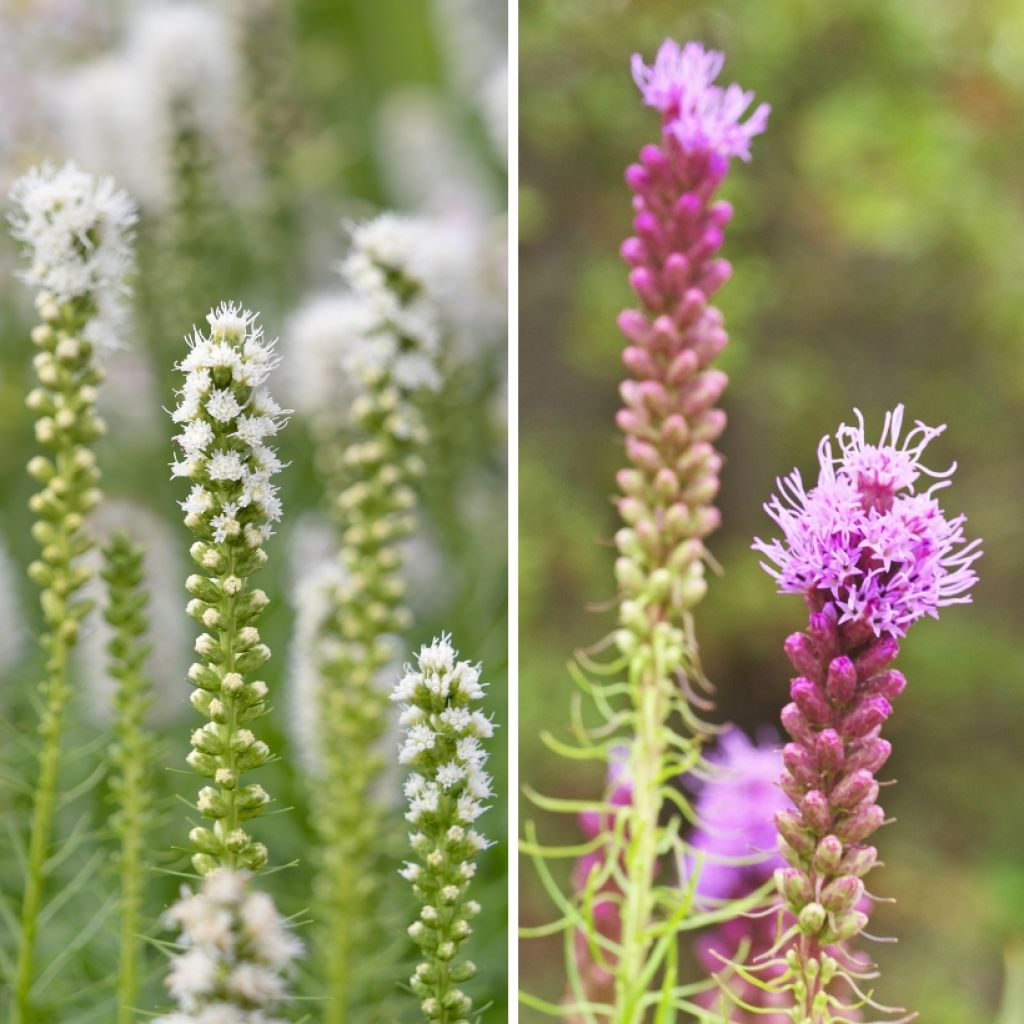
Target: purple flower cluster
<point>865,539</point>
<point>736,812</point>
<point>700,114</point>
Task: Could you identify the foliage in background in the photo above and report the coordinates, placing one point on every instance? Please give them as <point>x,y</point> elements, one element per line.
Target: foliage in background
<point>874,266</point>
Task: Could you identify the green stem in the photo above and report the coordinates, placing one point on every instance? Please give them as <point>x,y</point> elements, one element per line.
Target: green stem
<point>44,804</point>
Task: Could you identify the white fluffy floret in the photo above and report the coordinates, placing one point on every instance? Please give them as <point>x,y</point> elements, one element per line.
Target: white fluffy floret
<point>226,413</point>
<point>236,953</point>
<point>77,231</point>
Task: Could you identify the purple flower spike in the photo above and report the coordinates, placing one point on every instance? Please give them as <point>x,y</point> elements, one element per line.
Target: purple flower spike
<point>865,539</point>
<point>700,114</point>
<point>871,554</point>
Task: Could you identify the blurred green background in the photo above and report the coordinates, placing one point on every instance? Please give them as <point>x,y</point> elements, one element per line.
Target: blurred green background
<point>321,80</point>
<point>878,249</point>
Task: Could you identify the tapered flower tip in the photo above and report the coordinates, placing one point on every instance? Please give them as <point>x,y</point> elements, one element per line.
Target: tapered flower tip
<point>865,539</point>
<point>701,115</point>
<point>736,818</point>
<point>77,232</point>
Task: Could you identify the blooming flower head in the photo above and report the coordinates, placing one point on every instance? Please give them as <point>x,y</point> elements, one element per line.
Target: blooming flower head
<point>235,954</point>
<point>700,114</point>
<point>736,817</point>
<point>865,539</point>
<point>77,233</point>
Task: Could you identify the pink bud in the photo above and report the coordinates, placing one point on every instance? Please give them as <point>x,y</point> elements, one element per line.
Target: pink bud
<point>800,763</point>
<point>801,655</point>
<point>877,656</point>
<point>683,367</point>
<point>647,227</point>
<point>691,305</point>
<point>859,860</point>
<point>721,213</point>
<point>645,284</point>
<point>629,422</point>
<point>867,716</point>
<point>715,274</point>
<point>854,789</point>
<point>643,454</point>
<point>653,159</point>
<point>705,520</point>
<point>796,725</point>
<point>827,855</point>
<point>859,825</point>
<point>676,271</point>
<point>633,252</point>
<point>708,342</point>
<point>841,681</point>
<point>708,426</point>
<point>887,684</point>
<point>639,362</point>
<point>703,391</point>
<point>794,887</point>
<point>869,755</point>
<point>707,245</point>
<point>688,206</point>
<point>849,924</point>
<point>791,828</point>
<point>828,750</point>
<point>824,632</point>
<point>791,787</point>
<point>630,481</point>
<point>635,326</point>
<point>637,178</point>
<point>810,701</point>
<point>816,811</point>
<point>666,484</point>
<point>675,430</point>
<point>842,893</point>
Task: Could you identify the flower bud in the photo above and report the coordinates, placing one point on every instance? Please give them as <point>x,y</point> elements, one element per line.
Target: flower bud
<point>796,725</point>
<point>809,700</point>
<point>877,656</point>
<point>795,888</point>
<point>870,755</point>
<point>828,750</point>
<point>816,811</point>
<point>841,680</point>
<point>888,684</point>
<point>854,789</point>
<point>828,855</point>
<point>812,918</point>
<point>866,717</point>
<point>859,825</point>
<point>848,924</point>
<point>792,829</point>
<point>859,860</point>
<point>842,893</point>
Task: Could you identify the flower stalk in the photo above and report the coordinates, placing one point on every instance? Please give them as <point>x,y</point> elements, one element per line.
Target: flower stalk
<point>226,413</point>
<point>670,420</point>
<point>132,752</point>
<point>871,554</point>
<point>442,734</point>
<point>76,232</point>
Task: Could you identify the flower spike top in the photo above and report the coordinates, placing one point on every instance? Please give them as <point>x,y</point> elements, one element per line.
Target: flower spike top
<point>226,414</point>
<point>865,539</point>
<point>701,115</point>
<point>77,230</point>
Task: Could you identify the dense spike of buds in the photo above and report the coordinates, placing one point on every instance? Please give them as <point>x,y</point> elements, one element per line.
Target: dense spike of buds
<point>76,231</point>
<point>225,414</point>
<point>671,420</point>
<point>870,557</point>
<point>442,734</point>
<point>234,957</point>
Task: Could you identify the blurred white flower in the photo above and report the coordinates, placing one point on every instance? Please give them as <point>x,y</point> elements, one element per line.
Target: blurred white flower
<point>77,232</point>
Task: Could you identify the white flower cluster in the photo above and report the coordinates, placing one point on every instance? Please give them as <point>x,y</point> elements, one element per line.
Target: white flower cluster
<point>78,231</point>
<point>178,70</point>
<point>236,953</point>
<point>443,731</point>
<point>226,414</point>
